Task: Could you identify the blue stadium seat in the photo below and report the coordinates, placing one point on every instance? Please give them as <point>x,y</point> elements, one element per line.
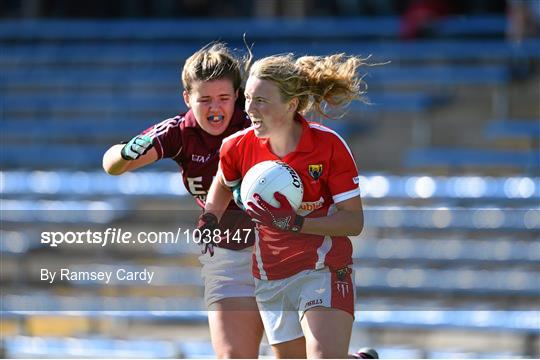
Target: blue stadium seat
<point>499,252</point>
<point>455,157</point>
<point>163,54</point>
<point>165,79</point>
<point>522,321</point>
<point>232,29</point>
<point>124,105</point>
<point>505,129</point>
<point>22,346</point>
<point>439,75</point>
<point>81,129</point>
<point>444,217</point>
<point>148,182</point>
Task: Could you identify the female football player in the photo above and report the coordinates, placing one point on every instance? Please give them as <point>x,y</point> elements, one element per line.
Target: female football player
<point>301,261</point>
<point>212,80</point>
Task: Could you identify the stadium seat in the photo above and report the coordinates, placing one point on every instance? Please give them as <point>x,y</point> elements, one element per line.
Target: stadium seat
<point>455,157</point>
<point>505,129</point>
<point>256,29</point>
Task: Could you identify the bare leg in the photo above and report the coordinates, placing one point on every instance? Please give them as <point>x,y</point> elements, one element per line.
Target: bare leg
<point>327,332</point>
<point>235,327</point>
<point>294,349</point>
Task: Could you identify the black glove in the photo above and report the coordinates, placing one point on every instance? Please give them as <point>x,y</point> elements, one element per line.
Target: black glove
<point>136,147</point>
<point>206,225</point>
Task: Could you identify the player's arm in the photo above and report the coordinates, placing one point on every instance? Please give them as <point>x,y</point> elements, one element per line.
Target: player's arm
<point>347,221</point>
<point>115,163</point>
<point>218,197</point>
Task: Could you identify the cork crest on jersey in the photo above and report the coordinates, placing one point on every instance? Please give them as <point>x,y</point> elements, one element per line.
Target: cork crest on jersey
<point>315,170</point>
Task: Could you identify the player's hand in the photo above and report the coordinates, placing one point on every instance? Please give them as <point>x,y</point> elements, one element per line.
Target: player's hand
<point>136,147</point>
<point>282,218</point>
<point>237,197</point>
<point>206,225</point>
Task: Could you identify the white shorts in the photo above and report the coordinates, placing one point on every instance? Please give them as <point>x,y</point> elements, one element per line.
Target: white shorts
<point>227,274</point>
<point>283,302</point>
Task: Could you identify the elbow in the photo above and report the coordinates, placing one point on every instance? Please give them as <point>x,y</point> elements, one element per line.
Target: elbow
<point>357,230</point>
<point>111,170</point>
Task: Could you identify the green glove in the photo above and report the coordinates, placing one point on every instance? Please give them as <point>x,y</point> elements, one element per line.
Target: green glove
<point>136,147</point>
<point>236,196</point>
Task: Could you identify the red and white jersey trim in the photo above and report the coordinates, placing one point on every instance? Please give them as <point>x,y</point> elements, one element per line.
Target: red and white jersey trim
<point>346,195</point>
<point>322,251</point>
<point>258,257</point>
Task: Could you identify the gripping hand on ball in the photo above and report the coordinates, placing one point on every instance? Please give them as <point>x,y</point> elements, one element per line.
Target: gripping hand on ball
<point>206,225</point>
<point>136,147</point>
<point>282,218</point>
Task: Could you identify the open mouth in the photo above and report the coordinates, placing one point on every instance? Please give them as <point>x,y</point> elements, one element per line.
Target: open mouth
<point>256,123</point>
<point>215,118</point>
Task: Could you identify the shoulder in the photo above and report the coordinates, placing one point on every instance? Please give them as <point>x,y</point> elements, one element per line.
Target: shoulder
<point>325,135</point>
<point>239,137</point>
<point>171,124</point>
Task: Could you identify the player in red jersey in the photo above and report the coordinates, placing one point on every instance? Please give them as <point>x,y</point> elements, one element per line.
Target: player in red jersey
<point>301,260</point>
<point>212,80</point>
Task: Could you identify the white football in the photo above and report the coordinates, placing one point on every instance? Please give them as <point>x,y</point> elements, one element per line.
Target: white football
<point>270,176</point>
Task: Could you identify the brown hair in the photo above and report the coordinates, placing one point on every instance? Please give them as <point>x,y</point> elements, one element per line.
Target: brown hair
<point>213,62</point>
<point>316,81</point>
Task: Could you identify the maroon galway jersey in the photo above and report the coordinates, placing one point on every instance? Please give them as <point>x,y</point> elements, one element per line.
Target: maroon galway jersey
<point>197,153</point>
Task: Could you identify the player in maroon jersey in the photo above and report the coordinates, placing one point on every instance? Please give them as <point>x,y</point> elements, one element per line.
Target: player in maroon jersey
<point>212,80</point>
<point>304,287</point>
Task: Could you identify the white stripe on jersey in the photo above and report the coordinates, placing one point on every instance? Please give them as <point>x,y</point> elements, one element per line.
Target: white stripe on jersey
<point>324,128</point>
<point>322,251</point>
<point>346,195</point>
<point>230,183</point>
<point>258,257</point>
<point>161,128</point>
<point>327,243</point>
<point>235,135</point>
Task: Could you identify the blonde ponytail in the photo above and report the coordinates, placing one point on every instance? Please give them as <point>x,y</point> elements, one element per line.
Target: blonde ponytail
<point>317,81</point>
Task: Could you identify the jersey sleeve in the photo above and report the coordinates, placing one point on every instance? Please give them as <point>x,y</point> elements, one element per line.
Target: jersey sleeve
<point>166,137</point>
<point>229,161</point>
<point>343,180</point>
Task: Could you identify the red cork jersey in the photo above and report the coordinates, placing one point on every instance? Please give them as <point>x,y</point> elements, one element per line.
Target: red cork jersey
<point>197,154</point>
<point>328,172</point>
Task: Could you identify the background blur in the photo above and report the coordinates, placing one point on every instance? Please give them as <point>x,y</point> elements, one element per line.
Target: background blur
<point>448,151</point>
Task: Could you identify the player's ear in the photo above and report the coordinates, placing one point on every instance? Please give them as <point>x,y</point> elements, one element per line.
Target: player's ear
<point>236,95</point>
<point>185,94</point>
<point>293,104</point>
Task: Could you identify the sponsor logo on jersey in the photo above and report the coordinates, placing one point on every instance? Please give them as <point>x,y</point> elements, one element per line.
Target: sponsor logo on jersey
<point>200,158</point>
<point>356,180</point>
<point>315,170</point>
<point>312,205</point>
<point>313,303</point>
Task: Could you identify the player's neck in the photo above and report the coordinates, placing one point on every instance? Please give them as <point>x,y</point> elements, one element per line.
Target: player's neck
<point>285,139</point>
